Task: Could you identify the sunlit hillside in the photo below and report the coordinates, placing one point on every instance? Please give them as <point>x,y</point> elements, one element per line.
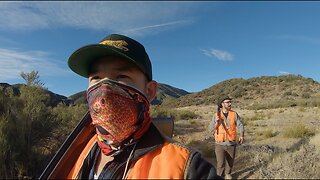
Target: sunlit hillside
<point>257,93</point>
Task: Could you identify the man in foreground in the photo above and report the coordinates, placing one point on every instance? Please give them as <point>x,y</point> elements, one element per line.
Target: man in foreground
<point>125,143</point>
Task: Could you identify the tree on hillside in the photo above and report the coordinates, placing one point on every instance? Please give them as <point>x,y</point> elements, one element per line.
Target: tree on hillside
<point>31,130</point>
<point>8,134</point>
<point>25,128</point>
<point>32,78</point>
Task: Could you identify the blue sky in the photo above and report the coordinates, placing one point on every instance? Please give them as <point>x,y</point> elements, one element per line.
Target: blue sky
<point>192,45</point>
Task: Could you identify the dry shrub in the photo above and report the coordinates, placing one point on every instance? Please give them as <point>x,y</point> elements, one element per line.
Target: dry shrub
<point>177,114</point>
<point>208,150</point>
<point>193,142</point>
<point>248,121</point>
<point>298,131</point>
<point>302,109</point>
<point>301,164</point>
<point>258,116</point>
<point>269,115</point>
<point>268,133</point>
<point>193,122</point>
<point>185,115</point>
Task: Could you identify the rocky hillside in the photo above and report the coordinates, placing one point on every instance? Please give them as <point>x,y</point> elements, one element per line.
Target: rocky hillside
<point>167,91</point>
<point>258,93</point>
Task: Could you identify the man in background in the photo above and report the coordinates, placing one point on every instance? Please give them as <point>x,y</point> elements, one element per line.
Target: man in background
<point>225,125</point>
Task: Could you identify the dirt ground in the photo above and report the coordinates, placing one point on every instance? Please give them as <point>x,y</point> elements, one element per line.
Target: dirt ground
<point>263,155</point>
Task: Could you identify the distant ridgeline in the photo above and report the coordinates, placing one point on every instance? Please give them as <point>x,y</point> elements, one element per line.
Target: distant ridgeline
<point>164,91</point>
<point>54,99</point>
<point>254,93</point>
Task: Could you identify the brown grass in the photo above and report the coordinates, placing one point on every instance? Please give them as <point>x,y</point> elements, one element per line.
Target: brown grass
<point>298,131</point>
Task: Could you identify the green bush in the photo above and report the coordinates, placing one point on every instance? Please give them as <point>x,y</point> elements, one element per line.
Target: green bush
<point>185,115</point>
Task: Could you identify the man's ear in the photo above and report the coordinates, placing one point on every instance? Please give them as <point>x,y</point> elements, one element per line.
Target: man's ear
<point>152,88</point>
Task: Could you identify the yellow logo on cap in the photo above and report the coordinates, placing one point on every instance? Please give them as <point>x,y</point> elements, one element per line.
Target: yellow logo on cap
<point>120,44</point>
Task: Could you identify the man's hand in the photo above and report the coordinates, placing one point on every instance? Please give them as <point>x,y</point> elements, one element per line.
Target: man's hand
<point>216,118</point>
<point>241,139</point>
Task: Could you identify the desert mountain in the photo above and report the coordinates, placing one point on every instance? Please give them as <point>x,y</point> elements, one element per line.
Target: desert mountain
<point>53,100</point>
<point>258,93</point>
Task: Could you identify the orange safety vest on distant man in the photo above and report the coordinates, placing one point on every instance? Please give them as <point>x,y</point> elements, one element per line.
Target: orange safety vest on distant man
<point>230,129</point>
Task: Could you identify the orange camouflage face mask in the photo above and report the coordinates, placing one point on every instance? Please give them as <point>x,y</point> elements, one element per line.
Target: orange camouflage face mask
<point>120,114</point>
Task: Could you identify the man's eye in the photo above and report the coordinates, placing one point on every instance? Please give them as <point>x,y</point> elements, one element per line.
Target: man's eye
<point>94,78</point>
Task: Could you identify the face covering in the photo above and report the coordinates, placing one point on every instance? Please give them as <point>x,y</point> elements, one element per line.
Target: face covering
<point>120,114</point>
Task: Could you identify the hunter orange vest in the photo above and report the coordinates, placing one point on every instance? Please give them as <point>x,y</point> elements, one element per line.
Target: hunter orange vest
<point>167,162</point>
<point>70,164</point>
<point>230,131</point>
<point>73,174</point>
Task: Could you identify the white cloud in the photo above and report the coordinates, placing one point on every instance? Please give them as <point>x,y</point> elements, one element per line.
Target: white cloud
<point>13,62</point>
<point>219,54</point>
<point>284,73</point>
<point>106,16</point>
<point>299,38</point>
<point>140,30</point>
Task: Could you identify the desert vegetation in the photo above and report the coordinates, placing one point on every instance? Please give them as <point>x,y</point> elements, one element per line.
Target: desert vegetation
<point>31,129</point>
<point>281,117</point>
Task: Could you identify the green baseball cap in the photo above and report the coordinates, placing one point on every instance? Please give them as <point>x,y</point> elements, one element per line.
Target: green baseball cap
<point>223,98</point>
<point>116,45</point>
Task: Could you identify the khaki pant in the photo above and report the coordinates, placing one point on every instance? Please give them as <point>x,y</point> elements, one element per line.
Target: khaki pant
<point>224,154</point>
